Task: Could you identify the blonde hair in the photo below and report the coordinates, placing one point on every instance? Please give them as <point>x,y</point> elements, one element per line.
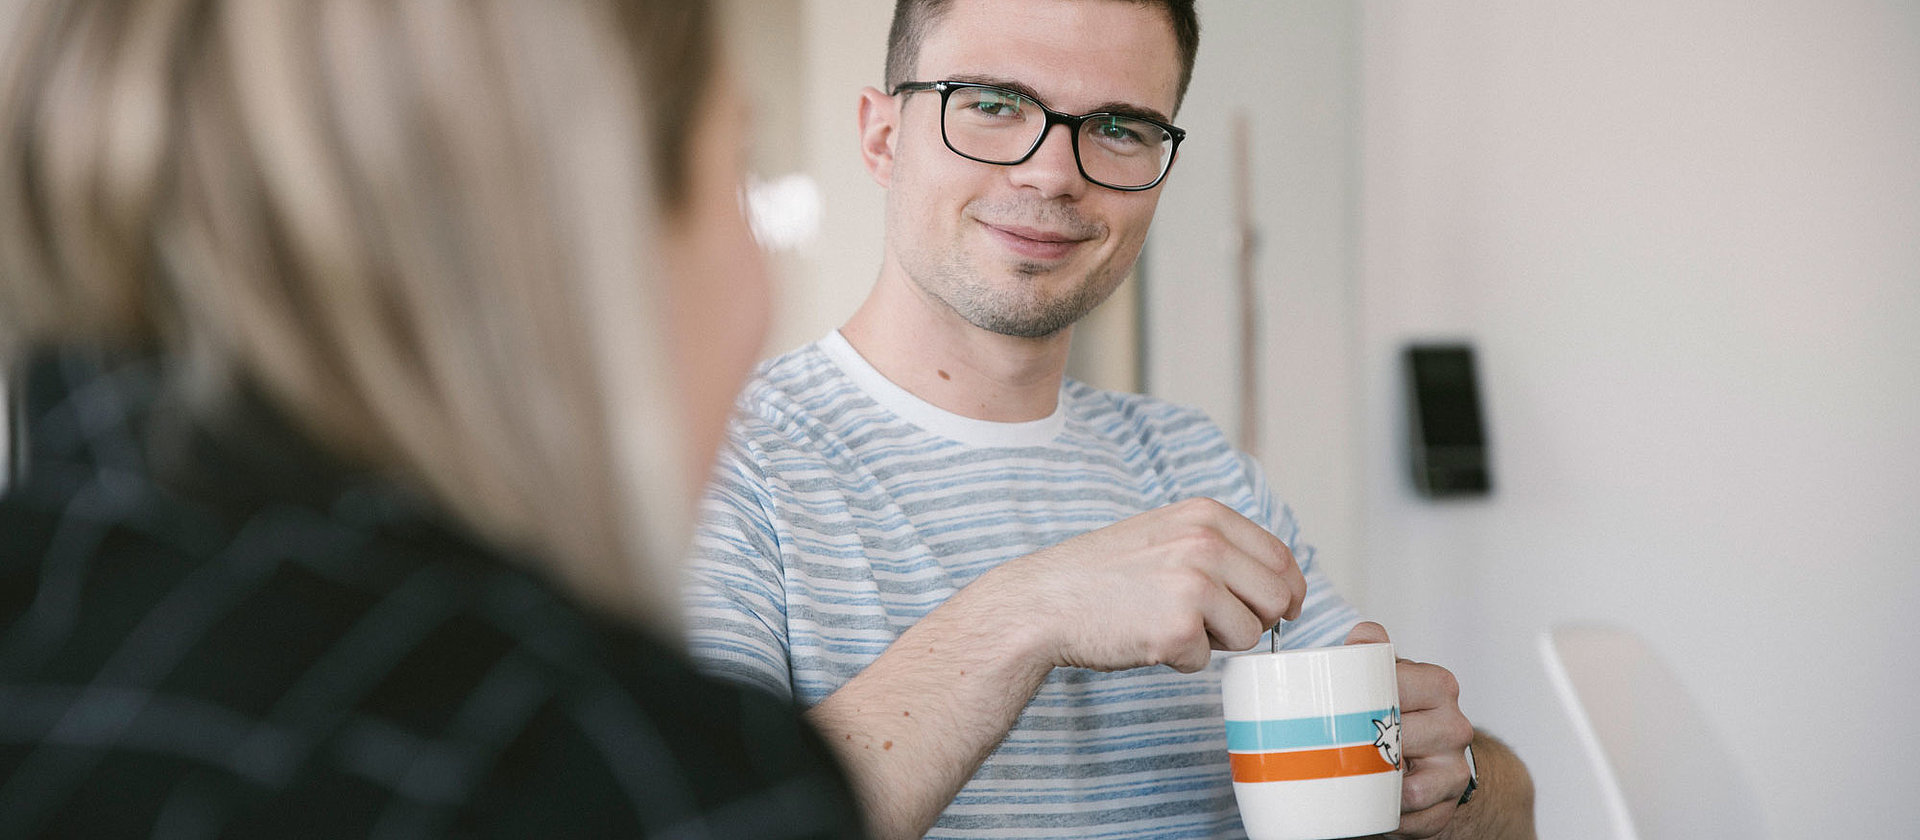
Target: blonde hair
<point>425,229</point>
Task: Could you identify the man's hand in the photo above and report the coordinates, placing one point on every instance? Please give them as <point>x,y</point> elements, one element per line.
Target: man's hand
<point>1434,739</point>
<point>1161,588</point>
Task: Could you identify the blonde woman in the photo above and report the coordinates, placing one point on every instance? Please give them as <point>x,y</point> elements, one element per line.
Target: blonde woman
<point>370,355</point>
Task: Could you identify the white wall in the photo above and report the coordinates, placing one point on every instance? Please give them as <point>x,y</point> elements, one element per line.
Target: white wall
<point>1685,238</point>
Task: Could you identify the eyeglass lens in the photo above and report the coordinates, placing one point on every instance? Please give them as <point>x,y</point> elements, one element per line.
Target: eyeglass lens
<point>1000,126</point>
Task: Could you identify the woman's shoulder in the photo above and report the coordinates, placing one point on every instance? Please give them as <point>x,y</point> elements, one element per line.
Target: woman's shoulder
<point>274,659</point>
<point>306,671</point>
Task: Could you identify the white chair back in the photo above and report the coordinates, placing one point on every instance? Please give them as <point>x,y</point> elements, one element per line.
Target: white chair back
<point>1663,771</point>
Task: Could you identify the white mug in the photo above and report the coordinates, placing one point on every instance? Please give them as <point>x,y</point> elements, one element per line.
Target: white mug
<point>1314,740</point>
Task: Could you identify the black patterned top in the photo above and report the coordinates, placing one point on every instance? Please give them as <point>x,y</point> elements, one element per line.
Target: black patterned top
<point>221,633</point>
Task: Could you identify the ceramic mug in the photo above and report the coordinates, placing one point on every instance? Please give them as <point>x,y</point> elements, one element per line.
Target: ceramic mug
<point>1313,737</point>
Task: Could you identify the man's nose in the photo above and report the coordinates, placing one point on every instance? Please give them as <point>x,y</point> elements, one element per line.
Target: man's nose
<point>1052,169</point>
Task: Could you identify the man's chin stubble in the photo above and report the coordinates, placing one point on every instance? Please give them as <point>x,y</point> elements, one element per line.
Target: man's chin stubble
<point>1030,319</point>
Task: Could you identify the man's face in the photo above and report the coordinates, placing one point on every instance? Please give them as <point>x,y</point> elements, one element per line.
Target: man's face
<point>1025,250</point>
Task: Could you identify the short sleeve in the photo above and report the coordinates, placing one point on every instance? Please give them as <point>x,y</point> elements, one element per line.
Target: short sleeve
<point>735,595</point>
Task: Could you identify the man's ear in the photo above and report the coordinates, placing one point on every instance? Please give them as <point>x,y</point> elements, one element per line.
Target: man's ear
<point>879,119</point>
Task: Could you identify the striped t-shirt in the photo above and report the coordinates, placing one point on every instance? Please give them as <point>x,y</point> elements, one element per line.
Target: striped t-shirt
<point>844,509</point>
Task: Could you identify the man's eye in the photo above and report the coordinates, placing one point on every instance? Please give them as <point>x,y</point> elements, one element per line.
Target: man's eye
<point>998,107</point>
<point>986,103</point>
<point>1116,132</point>
<point>1113,131</point>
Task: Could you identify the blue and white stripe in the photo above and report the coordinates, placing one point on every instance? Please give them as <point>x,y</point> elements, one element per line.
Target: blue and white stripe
<point>844,509</point>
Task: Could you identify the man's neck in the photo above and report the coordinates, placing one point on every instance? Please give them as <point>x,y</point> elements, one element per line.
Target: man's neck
<point>921,345</point>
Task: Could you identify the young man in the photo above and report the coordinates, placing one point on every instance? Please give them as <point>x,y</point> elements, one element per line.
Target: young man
<point>970,569</point>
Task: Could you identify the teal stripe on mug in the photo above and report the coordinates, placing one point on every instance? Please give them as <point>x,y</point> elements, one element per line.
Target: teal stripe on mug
<point>1301,733</point>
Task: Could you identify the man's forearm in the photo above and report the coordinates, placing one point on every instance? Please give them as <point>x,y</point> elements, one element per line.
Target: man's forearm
<point>915,724</point>
<point>1502,806</point>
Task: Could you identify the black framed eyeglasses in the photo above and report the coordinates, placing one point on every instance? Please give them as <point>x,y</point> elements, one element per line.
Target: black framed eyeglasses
<point>1005,127</point>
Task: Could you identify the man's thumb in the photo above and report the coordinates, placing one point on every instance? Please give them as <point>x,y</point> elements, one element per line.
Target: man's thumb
<point>1367,632</point>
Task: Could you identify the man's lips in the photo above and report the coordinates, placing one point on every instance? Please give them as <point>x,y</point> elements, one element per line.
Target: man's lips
<point>1035,243</point>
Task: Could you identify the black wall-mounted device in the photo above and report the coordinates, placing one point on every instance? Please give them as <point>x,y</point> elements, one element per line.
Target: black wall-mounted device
<point>1447,439</point>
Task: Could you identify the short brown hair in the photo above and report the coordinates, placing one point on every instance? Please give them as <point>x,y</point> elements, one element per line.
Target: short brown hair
<point>912,19</point>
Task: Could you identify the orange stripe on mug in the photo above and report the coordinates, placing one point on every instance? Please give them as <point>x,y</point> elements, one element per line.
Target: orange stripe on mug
<point>1296,766</point>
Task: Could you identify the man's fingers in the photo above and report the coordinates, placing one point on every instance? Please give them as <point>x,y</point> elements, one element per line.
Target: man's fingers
<point>1433,738</point>
<point>1273,557</point>
<point>1430,793</point>
<point>1427,822</point>
<point>1431,722</point>
<point>1432,782</point>
<point>1423,685</point>
<point>1256,541</point>
<point>1231,625</point>
<point>1271,597</point>
<point>1368,632</point>
<point>1254,564</point>
<point>1434,733</point>
<point>1295,579</point>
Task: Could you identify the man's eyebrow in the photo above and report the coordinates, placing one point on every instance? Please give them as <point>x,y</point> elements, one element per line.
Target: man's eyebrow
<point>1125,109</point>
<point>1130,110</point>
